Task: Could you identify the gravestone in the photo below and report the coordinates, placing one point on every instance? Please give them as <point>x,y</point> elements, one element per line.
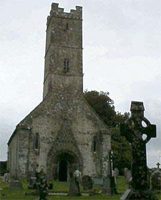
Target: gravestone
<point>42,185</point>
<point>115,174</point>
<point>158,165</point>
<point>116,170</point>
<point>128,176</point>
<point>112,176</point>
<point>87,182</point>
<point>107,175</point>
<point>109,184</point>
<point>15,184</point>
<point>6,177</point>
<point>74,188</point>
<point>32,182</point>
<point>138,131</point>
<point>155,179</point>
<point>98,181</point>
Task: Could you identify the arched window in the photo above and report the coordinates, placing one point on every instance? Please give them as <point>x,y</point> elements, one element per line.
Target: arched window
<point>66,65</point>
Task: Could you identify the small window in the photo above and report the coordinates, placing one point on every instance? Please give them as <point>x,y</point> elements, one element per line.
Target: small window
<point>66,65</point>
<point>36,141</point>
<point>66,27</point>
<point>94,144</point>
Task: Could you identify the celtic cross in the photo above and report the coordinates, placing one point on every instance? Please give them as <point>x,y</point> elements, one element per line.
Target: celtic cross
<point>138,131</point>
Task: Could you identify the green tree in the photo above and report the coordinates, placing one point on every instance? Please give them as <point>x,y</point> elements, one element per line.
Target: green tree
<point>104,107</point>
<point>121,150</point>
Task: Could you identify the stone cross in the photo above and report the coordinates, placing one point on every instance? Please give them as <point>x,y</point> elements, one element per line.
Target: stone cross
<point>138,131</point>
<point>158,165</point>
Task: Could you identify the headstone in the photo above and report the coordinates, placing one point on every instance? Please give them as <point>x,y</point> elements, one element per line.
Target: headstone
<point>128,177</point>
<point>15,184</point>
<point>109,185</point>
<point>138,131</point>
<point>158,165</point>
<point>155,179</point>
<point>106,187</point>
<point>6,177</point>
<point>98,181</point>
<point>112,176</point>
<point>113,185</point>
<point>115,174</point>
<point>74,187</point>
<point>116,171</point>
<point>87,182</point>
<point>107,174</point>
<point>42,185</point>
<point>43,189</point>
<point>32,183</point>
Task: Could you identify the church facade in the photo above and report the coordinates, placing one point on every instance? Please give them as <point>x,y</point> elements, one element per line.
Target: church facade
<point>63,131</point>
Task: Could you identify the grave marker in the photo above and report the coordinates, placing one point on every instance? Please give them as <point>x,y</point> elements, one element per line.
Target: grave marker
<point>87,182</point>
<point>138,131</point>
<point>158,165</point>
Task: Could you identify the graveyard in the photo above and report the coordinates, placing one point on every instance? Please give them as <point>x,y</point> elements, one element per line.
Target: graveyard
<point>21,194</point>
<point>139,182</point>
<point>74,144</point>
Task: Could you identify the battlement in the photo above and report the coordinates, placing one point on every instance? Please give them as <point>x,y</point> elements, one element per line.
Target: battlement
<point>56,11</point>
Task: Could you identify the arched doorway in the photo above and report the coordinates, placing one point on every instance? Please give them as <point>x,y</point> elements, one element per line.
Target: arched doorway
<point>64,163</point>
<point>63,170</point>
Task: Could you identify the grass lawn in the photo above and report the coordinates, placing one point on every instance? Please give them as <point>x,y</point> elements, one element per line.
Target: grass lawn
<point>17,194</point>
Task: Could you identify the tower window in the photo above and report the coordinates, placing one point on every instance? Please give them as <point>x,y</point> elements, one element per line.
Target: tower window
<point>66,27</point>
<point>66,65</point>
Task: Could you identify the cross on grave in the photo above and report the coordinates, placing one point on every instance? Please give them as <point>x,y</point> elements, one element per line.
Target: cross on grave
<point>158,165</point>
<point>138,131</point>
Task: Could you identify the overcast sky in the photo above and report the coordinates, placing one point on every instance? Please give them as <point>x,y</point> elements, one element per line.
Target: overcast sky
<point>122,55</point>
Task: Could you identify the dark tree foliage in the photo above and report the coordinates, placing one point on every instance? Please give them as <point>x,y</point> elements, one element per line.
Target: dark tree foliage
<point>104,107</point>
<point>3,167</point>
<point>121,151</point>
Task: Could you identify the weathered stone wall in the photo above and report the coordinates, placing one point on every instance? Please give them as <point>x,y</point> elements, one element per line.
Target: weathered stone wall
<point>23,151</point>
<point>63,44</point>
<point>18,153</point>
<point>83,125</point>
<point>48,120</point>
<point>13,156</point>
<point>87,125</point>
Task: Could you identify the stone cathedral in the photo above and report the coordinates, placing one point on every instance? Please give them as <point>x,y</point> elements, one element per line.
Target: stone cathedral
<point>63,131</point>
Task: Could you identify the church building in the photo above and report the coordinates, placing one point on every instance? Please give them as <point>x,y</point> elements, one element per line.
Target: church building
<point>63,132</point>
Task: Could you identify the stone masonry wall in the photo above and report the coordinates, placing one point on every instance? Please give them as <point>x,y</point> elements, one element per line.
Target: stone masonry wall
<point>13,157</point>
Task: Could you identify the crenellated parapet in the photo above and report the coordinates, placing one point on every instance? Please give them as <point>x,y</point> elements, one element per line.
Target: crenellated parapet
<point>56,11</point>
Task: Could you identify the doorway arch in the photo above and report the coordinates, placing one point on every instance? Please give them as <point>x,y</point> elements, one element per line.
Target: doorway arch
<point>62,163</point>
<point>65,162</point>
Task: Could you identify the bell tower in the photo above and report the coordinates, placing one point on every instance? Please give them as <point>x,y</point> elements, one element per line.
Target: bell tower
<point>63,54</point>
